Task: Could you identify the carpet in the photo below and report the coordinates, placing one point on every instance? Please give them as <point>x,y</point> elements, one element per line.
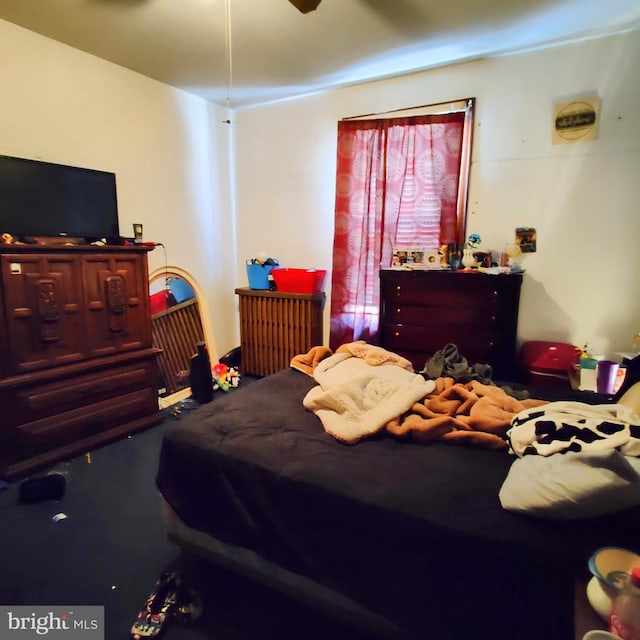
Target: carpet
<point>111,547</point>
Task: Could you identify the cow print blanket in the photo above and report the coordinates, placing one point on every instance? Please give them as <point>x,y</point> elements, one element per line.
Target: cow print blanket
<point>558,427</point>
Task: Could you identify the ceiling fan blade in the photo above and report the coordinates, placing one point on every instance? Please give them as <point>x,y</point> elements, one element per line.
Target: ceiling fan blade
<point>305,6</point>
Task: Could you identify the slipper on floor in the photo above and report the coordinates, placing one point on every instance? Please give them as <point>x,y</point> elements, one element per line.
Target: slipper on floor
<point>170,600</point>
<point>161,604</point>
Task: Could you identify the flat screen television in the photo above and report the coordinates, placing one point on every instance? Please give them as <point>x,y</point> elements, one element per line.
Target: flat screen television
<point>43,199</point>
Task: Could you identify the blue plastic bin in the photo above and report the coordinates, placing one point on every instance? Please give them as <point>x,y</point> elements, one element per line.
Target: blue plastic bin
<point>181,290</point>
<point>258,275</point>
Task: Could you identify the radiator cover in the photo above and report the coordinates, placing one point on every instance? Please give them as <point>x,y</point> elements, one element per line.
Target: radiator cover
<point>275,326</point>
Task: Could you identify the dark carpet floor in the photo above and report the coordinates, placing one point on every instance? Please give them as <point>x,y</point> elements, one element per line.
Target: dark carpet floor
<point>112,547</point>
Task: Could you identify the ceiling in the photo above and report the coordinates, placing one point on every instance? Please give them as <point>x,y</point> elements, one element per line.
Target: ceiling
<point>240,53</point>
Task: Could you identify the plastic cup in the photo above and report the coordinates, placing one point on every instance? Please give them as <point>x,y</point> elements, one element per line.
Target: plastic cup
<point>606,375</point>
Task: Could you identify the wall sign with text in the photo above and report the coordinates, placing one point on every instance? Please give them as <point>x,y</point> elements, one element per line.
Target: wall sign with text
<point>576,121</point>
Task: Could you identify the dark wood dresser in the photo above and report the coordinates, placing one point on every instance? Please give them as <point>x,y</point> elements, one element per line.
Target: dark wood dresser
<point>422,311</point>
<point>77,366</point>
<point>275,326</point>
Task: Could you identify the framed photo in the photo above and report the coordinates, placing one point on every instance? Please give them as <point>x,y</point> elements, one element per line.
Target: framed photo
<point>409,256</point>
<point>416,258</point>
<point>432,259</point>
<point>526,239</point>
<point>400,256</point>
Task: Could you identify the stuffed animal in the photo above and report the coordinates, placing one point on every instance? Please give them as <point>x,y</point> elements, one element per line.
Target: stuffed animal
<point>224,377</point>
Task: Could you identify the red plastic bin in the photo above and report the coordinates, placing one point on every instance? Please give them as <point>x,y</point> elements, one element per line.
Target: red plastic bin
<point>547,364</point>
<point>159,302</point>
<point>299,280</point>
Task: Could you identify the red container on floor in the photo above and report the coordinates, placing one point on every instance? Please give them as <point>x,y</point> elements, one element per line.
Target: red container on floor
<point>299,280</point>
<point>547,364</point>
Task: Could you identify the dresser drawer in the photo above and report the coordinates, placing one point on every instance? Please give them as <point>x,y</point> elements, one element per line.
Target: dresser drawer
<point>476,347</point>
<point>439,290</point>
<point>87,421</point>
<point>482,318</point>
<point>69,393</point>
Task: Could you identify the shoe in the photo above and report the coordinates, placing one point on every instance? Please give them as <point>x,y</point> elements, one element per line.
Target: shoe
<point>161,604</point>
<point>148,625</point>
<point>169,601</point>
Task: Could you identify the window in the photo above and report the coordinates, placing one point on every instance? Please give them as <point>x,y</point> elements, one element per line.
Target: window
<point>401,181</point>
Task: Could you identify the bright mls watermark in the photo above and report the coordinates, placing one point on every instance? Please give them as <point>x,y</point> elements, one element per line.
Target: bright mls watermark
<point>26,623</point>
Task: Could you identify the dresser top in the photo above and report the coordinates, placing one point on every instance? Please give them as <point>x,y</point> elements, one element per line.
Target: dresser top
<point>15,248</point>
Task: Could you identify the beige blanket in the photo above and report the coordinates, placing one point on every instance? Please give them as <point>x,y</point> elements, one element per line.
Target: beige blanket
<point>472,413</point>
<point>355,399</point>
<point>371,354</point>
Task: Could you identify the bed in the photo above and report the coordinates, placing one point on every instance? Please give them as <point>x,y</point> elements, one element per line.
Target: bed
<point>405,539</point>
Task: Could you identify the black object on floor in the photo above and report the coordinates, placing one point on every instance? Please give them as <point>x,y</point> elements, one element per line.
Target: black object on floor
<point>48,487</point>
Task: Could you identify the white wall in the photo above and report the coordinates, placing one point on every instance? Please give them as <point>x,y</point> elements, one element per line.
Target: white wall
<point>582,284</point>
<point>169,151</point>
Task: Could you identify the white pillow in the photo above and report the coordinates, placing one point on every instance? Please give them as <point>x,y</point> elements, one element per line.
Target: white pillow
<point>572,485</point>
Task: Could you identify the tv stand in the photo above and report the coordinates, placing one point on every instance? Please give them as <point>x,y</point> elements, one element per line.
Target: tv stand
<point>77,365</point>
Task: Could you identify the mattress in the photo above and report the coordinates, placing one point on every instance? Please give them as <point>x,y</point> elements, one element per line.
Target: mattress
<point>414,533</point>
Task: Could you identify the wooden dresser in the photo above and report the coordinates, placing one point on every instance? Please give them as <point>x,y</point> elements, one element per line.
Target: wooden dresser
<point>77,366</point>
<point>422,311</point>
<point>275,326</point>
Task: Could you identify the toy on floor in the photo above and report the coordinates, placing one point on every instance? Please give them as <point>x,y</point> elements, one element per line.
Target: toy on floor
<point>225,377</point>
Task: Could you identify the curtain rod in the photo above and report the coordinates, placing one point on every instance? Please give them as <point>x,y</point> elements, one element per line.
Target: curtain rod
<point>466,101</point>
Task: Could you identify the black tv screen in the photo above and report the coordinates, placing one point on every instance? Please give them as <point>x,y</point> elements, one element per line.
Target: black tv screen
<point>42,199</point>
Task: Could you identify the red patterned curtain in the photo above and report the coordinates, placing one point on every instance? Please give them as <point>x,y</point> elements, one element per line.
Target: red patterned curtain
<point>397,184</point>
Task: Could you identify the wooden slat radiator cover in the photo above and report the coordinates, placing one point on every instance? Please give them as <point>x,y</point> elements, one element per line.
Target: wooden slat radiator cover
<point>275,326</point>
<point>177,331</point>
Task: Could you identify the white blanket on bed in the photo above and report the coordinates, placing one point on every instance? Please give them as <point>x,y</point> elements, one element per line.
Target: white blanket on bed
<point>575,460</point>
<point>564,426</point>
<point>355,399</point>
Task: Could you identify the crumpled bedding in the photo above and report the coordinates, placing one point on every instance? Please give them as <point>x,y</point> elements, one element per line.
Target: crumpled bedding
<point>355,399</point>
<point>363,390</point>
<point>473,413</point>
<point>597,471</point>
